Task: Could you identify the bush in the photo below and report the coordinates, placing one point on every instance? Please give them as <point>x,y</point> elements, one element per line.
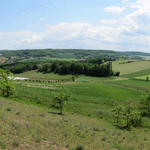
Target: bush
<point>136,119</point>
<point>79,147</point>
<point>117,74</point>
<point>125,116</point>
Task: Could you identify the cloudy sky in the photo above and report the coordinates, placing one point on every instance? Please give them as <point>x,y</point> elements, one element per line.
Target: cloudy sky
<point>89,24</point>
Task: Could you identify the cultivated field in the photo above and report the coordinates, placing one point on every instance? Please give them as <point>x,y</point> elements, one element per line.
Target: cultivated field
<point>128,67</point>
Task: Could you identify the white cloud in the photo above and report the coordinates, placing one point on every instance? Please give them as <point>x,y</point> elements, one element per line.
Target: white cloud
<point>43,19</point>
<point>114,9</point>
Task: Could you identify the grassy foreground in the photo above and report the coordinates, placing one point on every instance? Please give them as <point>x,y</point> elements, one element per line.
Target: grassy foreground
<point>31,127</point>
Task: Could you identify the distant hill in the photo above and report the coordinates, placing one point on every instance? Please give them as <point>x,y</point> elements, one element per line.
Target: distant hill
<point>136,53</point>
<point>71,53</point>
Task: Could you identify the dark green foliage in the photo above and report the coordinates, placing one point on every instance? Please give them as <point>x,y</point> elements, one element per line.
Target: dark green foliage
<point>78,68</point>
<point>126,116</point>
<point>117,111</point>
<point>116,74</point>
<point>65,67</point>
<point>98,60</point>
<point>8,109</point>
<point>6,87</point>
<point>79,147</point>
<point>136,119</point>
<point>73,78</point>
<point>145,106</point>
<point>100,67</point>
<point>20,67</point>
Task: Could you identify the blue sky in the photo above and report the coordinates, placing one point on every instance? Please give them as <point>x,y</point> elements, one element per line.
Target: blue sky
<point>90,24</point>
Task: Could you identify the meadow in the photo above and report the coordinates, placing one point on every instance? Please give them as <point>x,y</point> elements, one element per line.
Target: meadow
<point>132,67</point>
<point>45,76</point>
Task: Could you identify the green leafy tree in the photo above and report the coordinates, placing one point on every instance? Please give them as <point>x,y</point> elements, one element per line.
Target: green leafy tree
<point>6,87</point>
<point>118,112</point>
<point>127,116</point>
<point>59,101</point>
<point>136,119</point>
<point>145,105</point>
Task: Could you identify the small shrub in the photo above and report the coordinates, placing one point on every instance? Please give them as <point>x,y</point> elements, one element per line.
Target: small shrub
<point>41,115</point>
<point>96,129</point>
<point>79,147</point>
<point>38,140</point>
<point>8,109</point>
<point>82,136</point>
<point>18,113</point>
<point>147,78</point>
<point>103,139</point>
<point>15,125</point>
<point>15,144</point>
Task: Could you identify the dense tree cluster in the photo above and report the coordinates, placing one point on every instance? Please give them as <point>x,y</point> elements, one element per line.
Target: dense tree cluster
<point>99,70</point>
<point>20,67</point>
<point>92,67</point>
<point>98,60</point>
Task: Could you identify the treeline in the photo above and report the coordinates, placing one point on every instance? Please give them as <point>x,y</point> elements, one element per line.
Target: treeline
<point>102,68</point>
<point>98,60</point>
<point>20,67</point>
<point>78,68</point>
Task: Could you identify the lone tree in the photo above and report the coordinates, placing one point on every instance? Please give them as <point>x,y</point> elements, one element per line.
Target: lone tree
<point>147,78</point>
<point>59,101</point>
<point>6,87</point>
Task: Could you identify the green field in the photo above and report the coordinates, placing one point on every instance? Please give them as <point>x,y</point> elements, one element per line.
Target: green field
<point>46,76</point>
<point>144,77</point>
<point>131,68</point>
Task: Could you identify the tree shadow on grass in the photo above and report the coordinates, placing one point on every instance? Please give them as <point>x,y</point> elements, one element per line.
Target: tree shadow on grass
<point>56,113</point>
